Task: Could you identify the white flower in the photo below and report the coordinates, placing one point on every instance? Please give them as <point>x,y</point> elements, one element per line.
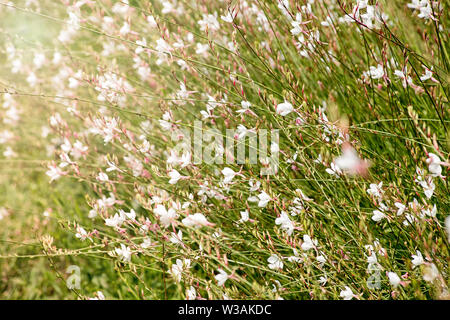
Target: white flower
<point>401,208</point>
<point>174,176</point>
<point>183,94</point>
<point>323,280</point>
<point>168,7</point>
<point>99,296</point>
<point>417,259</point>
<point>408,219</point>
<point>432,212</point>
<point>375,189</point>
<point>165,121</point>
<point>123,252</point>
<point>285,222</point>
<point>229,175</point>
<point>394,279</point>
<point>263,199</point>
<point>428,75</point>
<point>81,233</point>
<point>185,159</point>
<point>378,215</point>
<point>196,220</point>
<point>162,46</point>
<point>434,165</point>
<point>254,185</point>
<point>125,29</point>
<point>308,243</point>
<point>151,21</point>
<point>176,238</point>
<point>333,170</point>
<point>191,293</point>
<point>209,22</point>
<point>39,60</point>
<point>32,79</point>
<point>146,243</point>
<point>428,187</point>
<point>7,135</point>
<point>9,153</point>
<point>403,75</point>
<point>228,18</point>
<point>244,216</point>
<point>54,172</point>
<point>165,216</point>
<point>295,257</point>
<point>321,259</point>
<point>130,215</point>
<point>274,148</point>
<point>374,72</point>
<point>177,268</point>
<point>116,221</point>
<point>284,108</point>
<point>78,149</point>
<point>221,277</point>
<point>201,49</point>
<point>296,30</point>
<point>417,4</point>
<point>426,12</point>
<point>242,131</point>
<point>275,262</point>
<point>347,294</point>
<point>245,107</point>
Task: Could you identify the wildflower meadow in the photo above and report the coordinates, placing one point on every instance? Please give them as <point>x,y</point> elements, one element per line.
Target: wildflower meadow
<point>224,149</point>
